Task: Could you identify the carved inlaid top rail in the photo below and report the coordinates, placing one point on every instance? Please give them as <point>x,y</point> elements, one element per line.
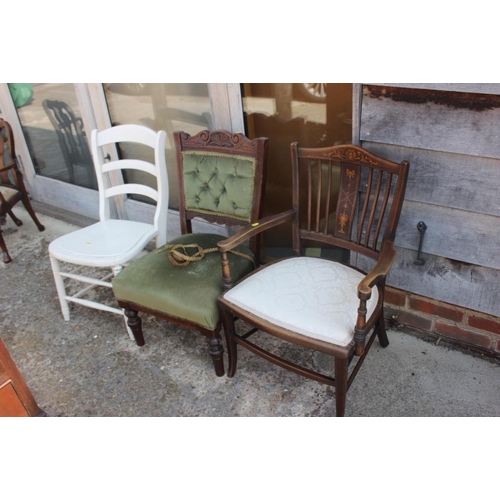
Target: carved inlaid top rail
<point>350,154</point>
<point>219,141</point>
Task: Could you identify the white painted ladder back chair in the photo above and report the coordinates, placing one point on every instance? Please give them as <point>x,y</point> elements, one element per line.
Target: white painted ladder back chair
<point>112,242</point>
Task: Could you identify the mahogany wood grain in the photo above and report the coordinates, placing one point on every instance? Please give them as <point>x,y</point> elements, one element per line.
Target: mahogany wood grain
<point>16,399</point>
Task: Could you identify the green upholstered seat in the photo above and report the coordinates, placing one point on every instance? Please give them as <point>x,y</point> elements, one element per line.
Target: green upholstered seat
<point>188,293</point>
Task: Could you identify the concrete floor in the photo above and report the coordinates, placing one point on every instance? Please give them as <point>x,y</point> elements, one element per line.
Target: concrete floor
<point>89,366</point>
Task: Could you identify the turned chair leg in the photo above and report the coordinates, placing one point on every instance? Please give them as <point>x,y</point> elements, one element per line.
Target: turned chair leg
<point>135,324</point>
<point>341,366</point>
<point>216,351</point>
<point>232,352</point>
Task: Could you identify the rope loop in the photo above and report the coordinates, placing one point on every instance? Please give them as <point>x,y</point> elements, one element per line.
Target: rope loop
<point>179,257</point>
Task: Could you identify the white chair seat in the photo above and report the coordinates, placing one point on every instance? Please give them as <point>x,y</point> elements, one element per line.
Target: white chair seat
<point>104,244</point>
<point>313,297</point>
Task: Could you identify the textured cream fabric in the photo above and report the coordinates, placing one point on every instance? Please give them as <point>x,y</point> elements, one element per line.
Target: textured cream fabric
<point>8,193</point>
<point>313,297</point>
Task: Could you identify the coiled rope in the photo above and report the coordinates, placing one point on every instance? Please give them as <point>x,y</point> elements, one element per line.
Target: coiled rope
<point>179,257</point>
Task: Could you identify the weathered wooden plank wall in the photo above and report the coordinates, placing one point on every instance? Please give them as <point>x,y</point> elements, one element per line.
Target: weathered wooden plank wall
<point>450,133</point>
<point>456,234</point>
<point>465,285</point>
<point>430,125</point>
<point>457,181</point>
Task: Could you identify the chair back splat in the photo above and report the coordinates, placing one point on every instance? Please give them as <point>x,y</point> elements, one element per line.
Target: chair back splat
<point>369,202</point>
<point>323,304</point>
<point>227,190</point>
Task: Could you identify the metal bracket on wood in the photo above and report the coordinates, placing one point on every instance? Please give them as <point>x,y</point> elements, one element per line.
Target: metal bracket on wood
<point>422,227</point>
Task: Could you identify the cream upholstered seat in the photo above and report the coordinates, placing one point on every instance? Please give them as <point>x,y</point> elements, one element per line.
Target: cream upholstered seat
<point>314,297</point>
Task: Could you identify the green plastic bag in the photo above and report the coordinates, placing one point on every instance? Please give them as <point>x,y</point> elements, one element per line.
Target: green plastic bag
<point>21,93</point>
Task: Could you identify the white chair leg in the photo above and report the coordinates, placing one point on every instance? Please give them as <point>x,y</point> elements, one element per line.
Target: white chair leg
<point>129,331</point>
<point>61,290</point>
<point>116,270</point>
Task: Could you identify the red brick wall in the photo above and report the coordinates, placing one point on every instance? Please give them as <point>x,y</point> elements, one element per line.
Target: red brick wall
<point>453,323</point>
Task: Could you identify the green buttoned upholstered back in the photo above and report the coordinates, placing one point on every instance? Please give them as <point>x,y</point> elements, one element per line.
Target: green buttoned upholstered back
<point>219,184</point>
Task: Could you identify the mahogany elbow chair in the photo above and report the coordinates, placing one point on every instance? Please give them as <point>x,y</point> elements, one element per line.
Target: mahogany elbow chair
<point>220,181</point>
<point>316,303</point>
<point>12,188</point>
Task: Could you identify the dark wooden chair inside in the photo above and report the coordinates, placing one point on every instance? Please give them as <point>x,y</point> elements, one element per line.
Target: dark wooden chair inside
<point>317,303</point>
<point>72,139</point>
<point>12,189</point>
<point>221,181</point>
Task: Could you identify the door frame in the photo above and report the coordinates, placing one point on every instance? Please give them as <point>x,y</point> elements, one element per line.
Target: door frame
<point>227,113</point>
<point>52,192</point>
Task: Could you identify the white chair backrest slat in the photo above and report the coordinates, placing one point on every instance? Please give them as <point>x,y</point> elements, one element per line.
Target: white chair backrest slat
<point>132,189</point>
<point>144,166</point>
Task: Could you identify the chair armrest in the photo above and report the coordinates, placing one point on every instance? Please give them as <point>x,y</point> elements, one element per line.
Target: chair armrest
<point>11,165</point>
<point>244,234</point>
<point>378,272</point>
<point>255,228</point>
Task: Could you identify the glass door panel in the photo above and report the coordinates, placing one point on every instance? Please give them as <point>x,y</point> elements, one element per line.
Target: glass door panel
<point>54,132</point>
<point>160,106</point>
<point>314,115</point>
